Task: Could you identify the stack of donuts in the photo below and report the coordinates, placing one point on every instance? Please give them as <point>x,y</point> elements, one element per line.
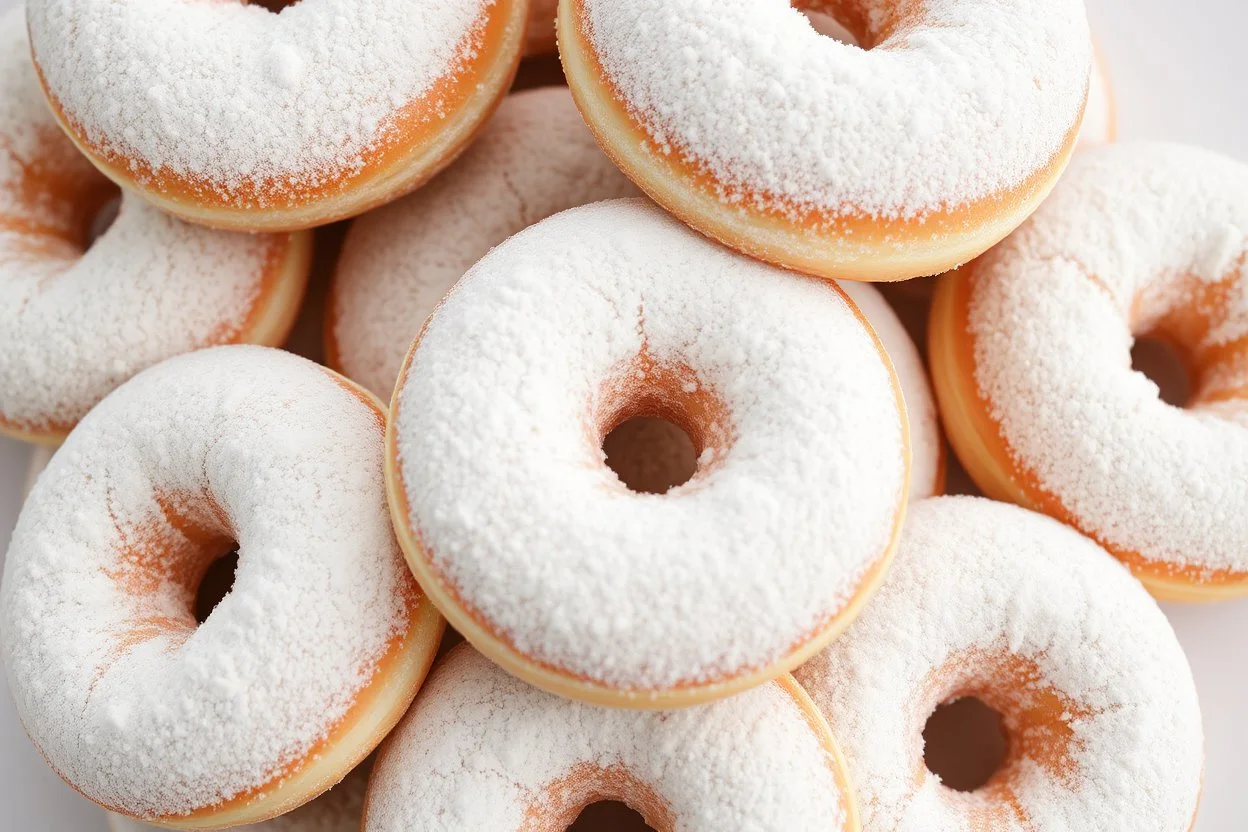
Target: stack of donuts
<point>597,377</point>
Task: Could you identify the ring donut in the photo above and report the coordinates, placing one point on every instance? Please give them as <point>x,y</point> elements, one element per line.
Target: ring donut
<point>296,675</point>
<point>1031,356</point>
<point>1091,688</point>
<point>544,560</point>
<point>229,115</point>
<point>901,160</point>
<point>481,750</point>
<point>75,322</point>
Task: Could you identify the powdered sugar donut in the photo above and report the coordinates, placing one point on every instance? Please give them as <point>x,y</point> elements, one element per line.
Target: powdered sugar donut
<point>232,116</point>
<point>1031,351</point>
<point>338,810</point>
<point>74,324</point>
<point>303,667</point>
<point>1095,696</point>
<point>481,750</point>
<point>539,555</point>
<point>903,159</point>
<point>534,158</point>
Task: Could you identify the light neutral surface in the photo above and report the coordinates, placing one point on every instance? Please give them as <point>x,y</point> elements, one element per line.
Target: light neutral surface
<point>1177,76</point>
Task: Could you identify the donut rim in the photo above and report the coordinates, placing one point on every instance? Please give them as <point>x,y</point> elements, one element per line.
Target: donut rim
<point>945,239</point>
<point>982,449</point>
<point>399,675</point>
<point>805,704</point>
<point>408,170</point>
<point>569,685</point>
<point>268,323</point>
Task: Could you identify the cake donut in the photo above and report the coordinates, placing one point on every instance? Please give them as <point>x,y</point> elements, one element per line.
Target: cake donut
<point>78,318</point>
<point>534,158</point>
<point>229,115</point>
<point>338,810</point>
<point>1031,355</point>
<point>1094,695</point>
<point>544,560</point>
<point>301,669</point>
<point>902,159</point>
<point>482,750</point>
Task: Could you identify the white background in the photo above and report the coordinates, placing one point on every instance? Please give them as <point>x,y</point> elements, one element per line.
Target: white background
<point>1179,71</point>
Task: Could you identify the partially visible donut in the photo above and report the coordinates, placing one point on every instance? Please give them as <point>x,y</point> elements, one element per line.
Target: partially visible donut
<point>1094,695</point>
<point>294,677</point>
<point>1031,358</point>
<point>481,750</point>
<point>902,159</point>
<point>534,549</point>
<point>79,318</point>
<point>534,158</point>
<point>227,114</point>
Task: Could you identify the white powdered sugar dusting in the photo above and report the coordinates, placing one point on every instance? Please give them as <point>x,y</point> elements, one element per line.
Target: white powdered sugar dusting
<point>237,96</point>
<point>967,100</point>
<point>926,440</point>
<point>503,470</point>
<point>339,810</point>
<point>535,158</point>
<point>482,750</point>
<point>74,325</point>
<point>972,578</point>
<point>123,695</point>
<point>1134,235</point>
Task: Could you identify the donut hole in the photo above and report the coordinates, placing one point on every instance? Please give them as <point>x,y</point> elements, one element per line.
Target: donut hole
<point>274,6</point>
<point>1163,363</point>
<point>658,426</point>
<point>964,743</point>
<point>216,583</point>
<point>650,455</point>
<point>610,816</point>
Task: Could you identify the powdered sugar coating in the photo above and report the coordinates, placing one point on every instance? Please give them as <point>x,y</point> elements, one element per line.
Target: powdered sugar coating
<point>482,750</point>
<point>1133,235</point>
<point>126,699</point>
<point>235,95</point>
<point>72,325</point>
<point>926,441</point>
<point>965,101</point>
<point>500,462</point>
<point>534,158</point>
<point>974,577</point>
<point>339,810</point>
